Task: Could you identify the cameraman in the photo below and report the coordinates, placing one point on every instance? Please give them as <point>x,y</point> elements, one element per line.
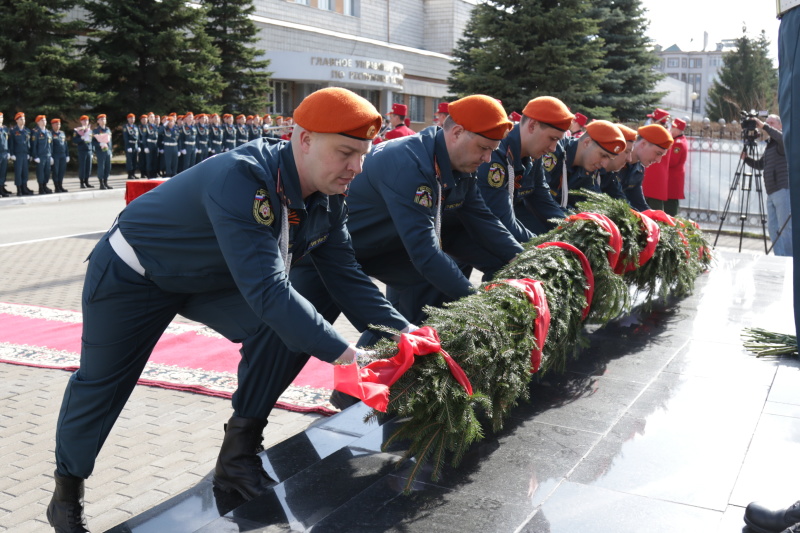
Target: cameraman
<point>776,182</point>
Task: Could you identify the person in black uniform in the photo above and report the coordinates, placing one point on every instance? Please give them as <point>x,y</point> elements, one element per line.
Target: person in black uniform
<point>4,157</point>
<point>42,153</point>
<point>229,133</point>
<point>130,143</point>
<point>101,141</point>
<point>215,244</point>
<point>651,144</point>
<point>60,155</point>
<point>19,145</point>
<point>202,137</point>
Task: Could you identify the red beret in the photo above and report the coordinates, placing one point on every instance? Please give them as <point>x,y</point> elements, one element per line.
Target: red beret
<point>55,120</point>
<point>101,116</point>
<point>19,115</point>
<point>337,110</point>
<point>84,117</point>
<point>656,134</point>
<point>679,123</point>
<point>40,117</point>
<point>515,117</point>
<point>227,115</point>
<point>481,114</point>
<point>607,135</point>
<point>399,109</point>
<point>628,133</point>
<point>581,119</point>
<point>549,110</point>
<point>659,115</point>
<point>443,107</point>
<point>131,115</point>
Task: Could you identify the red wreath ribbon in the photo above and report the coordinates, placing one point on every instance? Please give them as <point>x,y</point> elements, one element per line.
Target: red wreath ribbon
<point>587,271</point>
<point>661,216</point>
<point>614,240</point>
<point>534,290</point>
<point>653,236</point>
<point>371,383</point>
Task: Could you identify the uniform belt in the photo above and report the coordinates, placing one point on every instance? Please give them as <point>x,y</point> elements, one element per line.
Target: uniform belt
<point>124,251</point>
<point>188,143</point>
<point>152,141</point>
<point>216,142</point>
<point>202,142</point>
<point>170,144</point>
<point>786,5</point>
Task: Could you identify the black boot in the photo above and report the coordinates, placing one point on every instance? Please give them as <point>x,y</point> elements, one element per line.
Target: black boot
<point>83,184</point>
<point>88,185</point>
<point>105,182</point>
<point>764,519</point>
<point>47,190</point>
<point>65,512</point>
<point>41,189</point>
<point>26,191</point>
<point>61,188</point>
<point>239,467</point>
<point>102,185</point>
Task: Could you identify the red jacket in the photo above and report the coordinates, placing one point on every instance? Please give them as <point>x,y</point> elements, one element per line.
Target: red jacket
<point>399,131</point>
<point>656,179</point>
<point>677,168</point>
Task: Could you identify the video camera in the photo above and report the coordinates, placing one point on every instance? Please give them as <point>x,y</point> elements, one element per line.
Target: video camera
<point>749,126</point>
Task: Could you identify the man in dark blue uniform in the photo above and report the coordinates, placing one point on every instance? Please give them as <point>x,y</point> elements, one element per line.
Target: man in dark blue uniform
<point>401,206</point>
<point>130,143</point>
<point>575,161</point>
<point>229,133</point>
<point>4,156</point>
<point>523,202</point>
<point>652,142</point>
<point>101,142</point>
<point>60,155</point>
<point>168,140</point>
<point>83,139</point>
<point>19,145</point>
<point>202,137</point>
<point>42,153</point>
<point>242,130</point>
<point>141,158</point>
<point>215,244</point>
<point>151,146</point>
<point>187,142</point>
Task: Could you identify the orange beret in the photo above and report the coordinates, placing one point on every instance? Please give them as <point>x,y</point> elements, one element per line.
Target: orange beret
<point>549,110</point>
<point>241,116</point>
<point>656,134</point>
<point>481,114</point>
<point>55,121</point>
<point>100,116</point>
<point>188,113</point>
<point>173,115</point>
<point>227,115</point>
<point>250,117</point>
<point>131,115</point>
<point>214,115</point>
<point>40,117</point>
<point>337,110</point>
<point>151,113</point>
<point>19,115</point>
<point>628,133</point>
<point>607,135</point>
<point>143,116</point>
<point>84,117</point>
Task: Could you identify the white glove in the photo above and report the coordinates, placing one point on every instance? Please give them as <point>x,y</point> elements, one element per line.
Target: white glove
<point>161,151</point>
<point>67,159</point>
<point>36,160</point>
<point>147,150</point>
<point>183,152</point>
<point>130,150</point>
<point>352,354</point>
<point>12,157</point>
<point>138,149</point>
<point>8,156</point>
<point>52,161</point>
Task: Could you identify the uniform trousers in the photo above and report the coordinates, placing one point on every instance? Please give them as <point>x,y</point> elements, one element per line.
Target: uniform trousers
<point>788,88</point>
<point>130,161</point>
<point>84,164</point>
<point>43,170</point>
<point>21,170</point>
<point>103,164</point>
<point>3,169</point>
<point>151,159</point>
<point>170,157</point>
<point>124,315</point>
<point>58,169</point>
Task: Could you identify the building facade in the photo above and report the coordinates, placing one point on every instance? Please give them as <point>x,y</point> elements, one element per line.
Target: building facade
<point>698,69</point>
<point>388,51</point>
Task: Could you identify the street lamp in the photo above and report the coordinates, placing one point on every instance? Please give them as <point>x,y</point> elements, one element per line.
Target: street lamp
<point>694,97</point>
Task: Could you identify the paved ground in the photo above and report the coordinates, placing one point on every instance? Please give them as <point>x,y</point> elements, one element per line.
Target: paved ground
<point>165,441</point>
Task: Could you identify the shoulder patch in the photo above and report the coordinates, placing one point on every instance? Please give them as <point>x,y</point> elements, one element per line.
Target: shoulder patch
<point>497,175</point>
<point>549,161</point>
<point>262,210</point>
<point>677,149</point>
<point>424,196</point>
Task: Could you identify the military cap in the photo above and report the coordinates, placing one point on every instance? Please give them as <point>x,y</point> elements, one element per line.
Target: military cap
<point>55,120</point>
<point>19,115</point>
<point>656,134</point>
<point>214,115</point>
<point>443,107</point>
<point>40,117</point>
<point>84,117</point>
<point>550,111</point>
<point>481,114</point>
<point>249,117</point>
<point>143,116</point>
<point>659,115</point>
<point>130,115</point>
<point>607,135</point>
<point>241,116</point>
<point>101,115</point>
<point>679,123</point>
<point>399,109</point>
<point>628,133</point>
<point>515,117</point>
<point>337,110</point>
<point>227,115</point>
<point>581,119</point>
<point>173,115</point>
<point>188,113</point>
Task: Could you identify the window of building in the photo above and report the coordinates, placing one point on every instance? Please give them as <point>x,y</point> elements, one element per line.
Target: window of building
<point>398,98</point>
<point>416,109</point>
<point>328,5</point>
<point>673,62</point>
<point>683,76</point>
<point>683,62</point>
<point>281,98</point>
<point>374,97</point>
<point>302,2</point>
<point>696,63</point>
<point>351,8</point>
<point>696,81</point>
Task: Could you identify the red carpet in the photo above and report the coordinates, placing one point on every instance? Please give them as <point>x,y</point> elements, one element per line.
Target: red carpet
<point>188,357</point>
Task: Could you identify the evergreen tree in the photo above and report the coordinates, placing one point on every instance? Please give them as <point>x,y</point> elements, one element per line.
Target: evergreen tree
<point>516,50</point>
<point>628,88</point>
<point>42,71</point>
<point>233,34</point>
<point>155,56</point>
<point>747,81</point>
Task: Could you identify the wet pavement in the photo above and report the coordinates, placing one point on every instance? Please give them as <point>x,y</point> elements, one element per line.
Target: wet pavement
<point>664,423</point>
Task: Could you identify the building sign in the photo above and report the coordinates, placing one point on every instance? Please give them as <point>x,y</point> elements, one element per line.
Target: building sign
<point>348,70</point>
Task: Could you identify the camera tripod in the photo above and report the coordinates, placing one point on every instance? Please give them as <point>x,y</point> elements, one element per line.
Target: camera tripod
<point>743,179</point>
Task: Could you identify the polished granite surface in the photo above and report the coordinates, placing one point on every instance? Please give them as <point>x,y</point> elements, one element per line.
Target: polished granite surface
<point>665,423</point>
